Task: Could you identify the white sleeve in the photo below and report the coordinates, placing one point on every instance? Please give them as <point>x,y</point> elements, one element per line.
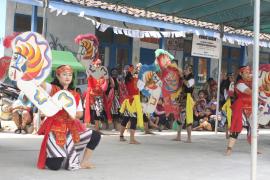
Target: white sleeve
<point>79,107</point>
<point>242,87</point>
<point>16,103</point>
<point>191,83</point>
<point>225,94</point>
<point>48,87</point>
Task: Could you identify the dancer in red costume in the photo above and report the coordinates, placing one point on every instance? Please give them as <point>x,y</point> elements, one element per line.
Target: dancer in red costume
<point>96,91</point>
<point>131,107</point>
<point>98,76</point>
<point>242,106</point>
<point>64,137</point>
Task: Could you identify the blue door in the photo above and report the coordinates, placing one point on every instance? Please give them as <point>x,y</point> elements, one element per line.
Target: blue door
<point>147,56</point>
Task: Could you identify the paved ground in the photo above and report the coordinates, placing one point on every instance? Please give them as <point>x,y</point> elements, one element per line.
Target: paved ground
<point>157,158</point>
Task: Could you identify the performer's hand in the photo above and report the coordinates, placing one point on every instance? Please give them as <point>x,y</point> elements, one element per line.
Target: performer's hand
<point>72,118</point>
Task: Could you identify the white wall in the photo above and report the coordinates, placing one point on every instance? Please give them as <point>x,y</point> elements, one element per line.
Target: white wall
<point>63,28</point>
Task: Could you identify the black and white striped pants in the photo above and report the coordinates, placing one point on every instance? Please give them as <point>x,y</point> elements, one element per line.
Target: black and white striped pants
<point>68,156</point>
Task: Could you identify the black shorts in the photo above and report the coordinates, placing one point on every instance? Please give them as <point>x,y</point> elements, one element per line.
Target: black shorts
<point>145,118</point>
<point>95,117</point>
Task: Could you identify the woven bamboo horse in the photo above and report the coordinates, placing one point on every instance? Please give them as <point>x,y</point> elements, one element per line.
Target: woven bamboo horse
<point>30,65</point>
<point>170,76</point>
<point>89,57</point>
<point>264,94</point>
<point>88,54</point>
<point>150,86</point>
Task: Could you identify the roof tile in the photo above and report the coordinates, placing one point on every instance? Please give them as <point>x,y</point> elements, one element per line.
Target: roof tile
<point>162,17</point>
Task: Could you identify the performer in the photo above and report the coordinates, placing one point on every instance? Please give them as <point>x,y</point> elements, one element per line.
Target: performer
<point>96,92</point>
<point>242,106</point>
<point>131,107</point>
<point>188,87</point>
<point>171,78</point>
<point>108,97</point>
<point>65,138</point>
<point>227,93</point>
<point>115,102</point>
<point>98,76</point>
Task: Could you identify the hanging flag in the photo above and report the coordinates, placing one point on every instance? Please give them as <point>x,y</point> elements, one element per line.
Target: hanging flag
<point>103,27</point>
<point>81,14</point>
<point>59,11</point>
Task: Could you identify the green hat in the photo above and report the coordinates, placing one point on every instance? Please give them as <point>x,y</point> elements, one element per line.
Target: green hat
<point>162,51</point>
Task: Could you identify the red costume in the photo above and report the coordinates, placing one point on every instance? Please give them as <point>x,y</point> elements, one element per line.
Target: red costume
<point>132,88</point>
<point>243,103</point>
<point>123,93</point>
<point>59,124</point>
<point>108,99</point>
<point>96,87</point>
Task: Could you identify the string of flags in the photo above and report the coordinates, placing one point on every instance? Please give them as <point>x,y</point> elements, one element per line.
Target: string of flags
<point>135,33</point>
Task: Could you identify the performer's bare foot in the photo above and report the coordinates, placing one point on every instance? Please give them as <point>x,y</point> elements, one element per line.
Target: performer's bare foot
<point>87,165</point>
<point>176,139</point>
<point>122,138</point>
<point>228,151</point>
<point>149,132</point>
<point>134,142</point>
<point>188,141</point>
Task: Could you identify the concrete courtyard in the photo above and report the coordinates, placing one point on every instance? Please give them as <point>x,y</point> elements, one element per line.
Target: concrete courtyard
<point>157,158</point>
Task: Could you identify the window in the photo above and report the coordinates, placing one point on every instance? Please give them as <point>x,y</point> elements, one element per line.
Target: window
<point>101,51</point>
<point>235,53</point>
<point>105,37</point>
<point>121,57</point>
<point>121,39</point>
<point>81,78</point>
<point>201,68</point>
<point>231,59</point>
<point>115,49</point>
<point>225,53</point>
<point>264,58</point>
<point>187,46</point>
<point>22,23</point>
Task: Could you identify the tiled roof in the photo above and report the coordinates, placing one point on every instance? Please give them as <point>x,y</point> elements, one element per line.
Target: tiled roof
<point>162,17</point>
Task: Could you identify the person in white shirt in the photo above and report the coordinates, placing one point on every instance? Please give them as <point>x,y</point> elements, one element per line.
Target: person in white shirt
<point>21,113</point>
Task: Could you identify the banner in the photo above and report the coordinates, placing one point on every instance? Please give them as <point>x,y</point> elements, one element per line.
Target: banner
<point>205,46</point>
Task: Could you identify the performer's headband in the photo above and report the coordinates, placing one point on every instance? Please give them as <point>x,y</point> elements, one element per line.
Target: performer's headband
<point>245,69</point>
<point>64,68</point>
